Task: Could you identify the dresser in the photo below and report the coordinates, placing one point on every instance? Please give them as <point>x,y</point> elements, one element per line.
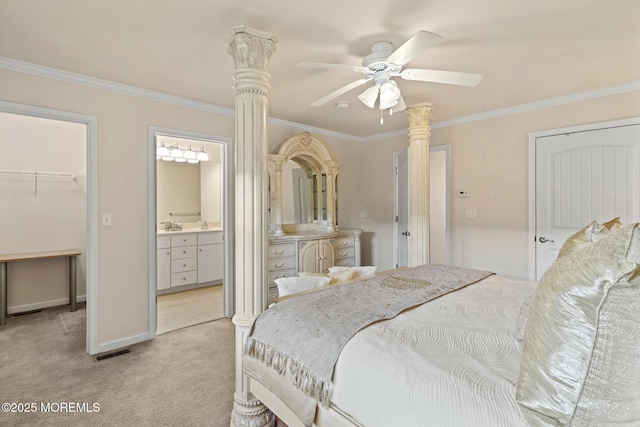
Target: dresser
<point>310,252</point>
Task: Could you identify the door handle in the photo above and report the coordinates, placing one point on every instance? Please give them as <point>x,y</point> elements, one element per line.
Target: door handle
<point>406,233</point>
<point>543,239</point>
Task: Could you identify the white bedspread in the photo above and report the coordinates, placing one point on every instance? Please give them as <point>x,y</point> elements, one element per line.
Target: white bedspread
<point>451,362</point>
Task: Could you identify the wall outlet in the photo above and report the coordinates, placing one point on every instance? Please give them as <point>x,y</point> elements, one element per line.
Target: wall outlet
<point>471,213</point>
<point>106,220</point>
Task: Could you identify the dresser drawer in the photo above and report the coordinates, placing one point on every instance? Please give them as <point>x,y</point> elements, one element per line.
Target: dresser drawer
<point>183,252</point>
<point>282,250</point>
<point>184,278</point>
<point>345,262</point>
<point>278,274</point>
<point>185,264</point>
<point>344,242</point>
<point>184,240</point>
<point>345,252</point>
<point>282,263</point>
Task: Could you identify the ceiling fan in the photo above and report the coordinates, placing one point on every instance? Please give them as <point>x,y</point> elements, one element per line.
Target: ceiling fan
<point>383,63</point>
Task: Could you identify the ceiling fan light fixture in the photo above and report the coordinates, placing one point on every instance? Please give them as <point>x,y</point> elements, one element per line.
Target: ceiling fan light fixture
<point>369,96</point>
<point>389,94</point>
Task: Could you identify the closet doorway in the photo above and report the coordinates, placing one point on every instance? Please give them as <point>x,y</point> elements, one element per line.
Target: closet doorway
<point>49,189</point>
<point>188,240</point>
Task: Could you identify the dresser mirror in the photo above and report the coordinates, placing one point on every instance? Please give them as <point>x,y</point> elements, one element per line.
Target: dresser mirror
<point>302,186</point>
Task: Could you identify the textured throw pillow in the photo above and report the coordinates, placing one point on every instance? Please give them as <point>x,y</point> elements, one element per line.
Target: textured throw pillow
<point>523,316</point>
<point>614,224</point>
<point>355,271</point>
<point>580,355</point>
<point>292,285</point>
<point>582,238</point>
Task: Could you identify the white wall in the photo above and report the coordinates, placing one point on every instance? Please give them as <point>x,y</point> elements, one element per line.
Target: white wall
<point>489,158</point>
<point>49,215</point>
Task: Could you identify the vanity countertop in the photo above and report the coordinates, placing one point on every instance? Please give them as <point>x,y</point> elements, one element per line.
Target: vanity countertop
<point>190,230</point>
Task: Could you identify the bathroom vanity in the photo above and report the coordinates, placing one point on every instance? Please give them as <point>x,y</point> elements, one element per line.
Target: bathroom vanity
<point>189,258</point>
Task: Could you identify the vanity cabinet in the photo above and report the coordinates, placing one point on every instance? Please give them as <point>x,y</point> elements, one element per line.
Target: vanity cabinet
<point>210,257</point>
<point>184,263</point>
<point>189,259</point>
<point>163,276</point>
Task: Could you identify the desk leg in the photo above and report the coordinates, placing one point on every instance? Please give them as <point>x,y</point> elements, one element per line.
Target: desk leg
<point>3,292</point>
<point>72,282</point>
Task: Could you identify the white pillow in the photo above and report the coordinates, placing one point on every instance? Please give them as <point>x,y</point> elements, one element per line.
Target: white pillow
<point>292,285</point>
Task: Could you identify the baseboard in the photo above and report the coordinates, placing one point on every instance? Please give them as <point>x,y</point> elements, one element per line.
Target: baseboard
<point>43,304</point>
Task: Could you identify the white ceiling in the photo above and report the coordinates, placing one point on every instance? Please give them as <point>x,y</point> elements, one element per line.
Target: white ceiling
<point>527,50</point>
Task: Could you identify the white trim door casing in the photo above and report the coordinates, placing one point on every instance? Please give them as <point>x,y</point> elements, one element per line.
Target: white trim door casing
<point>227,219</point>
<point>91,122</point>
<point>578,175</point>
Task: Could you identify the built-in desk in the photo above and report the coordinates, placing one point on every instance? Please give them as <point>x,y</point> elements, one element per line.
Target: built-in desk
<point>28,256</point>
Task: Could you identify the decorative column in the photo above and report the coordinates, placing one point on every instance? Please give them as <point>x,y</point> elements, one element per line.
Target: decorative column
<point>419,141</point>
<point>251,50</point>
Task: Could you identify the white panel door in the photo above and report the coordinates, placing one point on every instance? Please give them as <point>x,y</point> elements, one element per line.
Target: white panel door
<point>581,177</point>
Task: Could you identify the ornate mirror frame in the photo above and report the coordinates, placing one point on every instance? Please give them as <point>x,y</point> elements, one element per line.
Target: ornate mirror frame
<point>311,152</point>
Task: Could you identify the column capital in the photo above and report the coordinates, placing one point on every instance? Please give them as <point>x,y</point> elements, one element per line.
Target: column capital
<point>251,48</point>
<point>419,114</point>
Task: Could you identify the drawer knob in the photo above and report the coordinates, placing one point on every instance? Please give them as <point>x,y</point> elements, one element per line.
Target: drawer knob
<point>278,251</point>
<point>275,265</point>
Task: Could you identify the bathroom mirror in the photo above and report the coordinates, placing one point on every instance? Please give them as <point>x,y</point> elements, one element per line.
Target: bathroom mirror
<point>302,186</point>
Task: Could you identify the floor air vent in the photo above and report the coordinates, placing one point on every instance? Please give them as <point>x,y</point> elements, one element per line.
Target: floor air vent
<point>114,354</point>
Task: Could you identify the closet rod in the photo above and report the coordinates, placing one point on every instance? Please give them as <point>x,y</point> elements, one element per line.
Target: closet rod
<point>184,214</point>
<point>41,173</point>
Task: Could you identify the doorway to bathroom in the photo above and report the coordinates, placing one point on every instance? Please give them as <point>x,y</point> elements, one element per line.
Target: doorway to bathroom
<point>188,244</point>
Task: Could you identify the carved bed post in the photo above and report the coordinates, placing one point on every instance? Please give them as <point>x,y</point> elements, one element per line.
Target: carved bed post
<point>251,51</point>
<point>419,142</point>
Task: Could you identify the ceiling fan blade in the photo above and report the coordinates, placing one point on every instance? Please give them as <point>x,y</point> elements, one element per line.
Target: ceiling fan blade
<point>338,92</point>
<point>418,43</point>
<point>399,106</point>
<point>327,65</point>
<point>438,76</point>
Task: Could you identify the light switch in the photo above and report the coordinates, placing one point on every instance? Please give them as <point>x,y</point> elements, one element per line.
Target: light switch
<point>106,220</point>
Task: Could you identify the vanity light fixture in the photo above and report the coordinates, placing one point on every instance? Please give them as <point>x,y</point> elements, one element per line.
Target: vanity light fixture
<point>175,153</point>
<point>202,155</point>
<point>189,154</point>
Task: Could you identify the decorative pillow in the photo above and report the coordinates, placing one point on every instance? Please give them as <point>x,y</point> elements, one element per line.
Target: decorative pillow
<point>523,316</point>
<point>355,271</point>
<point>569,370</point>
<point>334,278</point>
<point>582,238</point>
<point>614,224</point>
<point>292,285</point>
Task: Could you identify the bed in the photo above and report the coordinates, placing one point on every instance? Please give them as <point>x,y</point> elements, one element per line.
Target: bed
<point>491,352</point>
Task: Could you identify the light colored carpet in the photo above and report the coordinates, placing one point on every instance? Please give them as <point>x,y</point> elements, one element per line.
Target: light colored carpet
<point>181,378</point>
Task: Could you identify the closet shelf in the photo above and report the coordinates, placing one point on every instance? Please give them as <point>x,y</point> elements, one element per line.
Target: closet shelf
<point>37,174</point>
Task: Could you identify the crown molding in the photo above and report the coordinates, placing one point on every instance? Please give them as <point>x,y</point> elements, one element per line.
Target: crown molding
<point>66,76</point>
